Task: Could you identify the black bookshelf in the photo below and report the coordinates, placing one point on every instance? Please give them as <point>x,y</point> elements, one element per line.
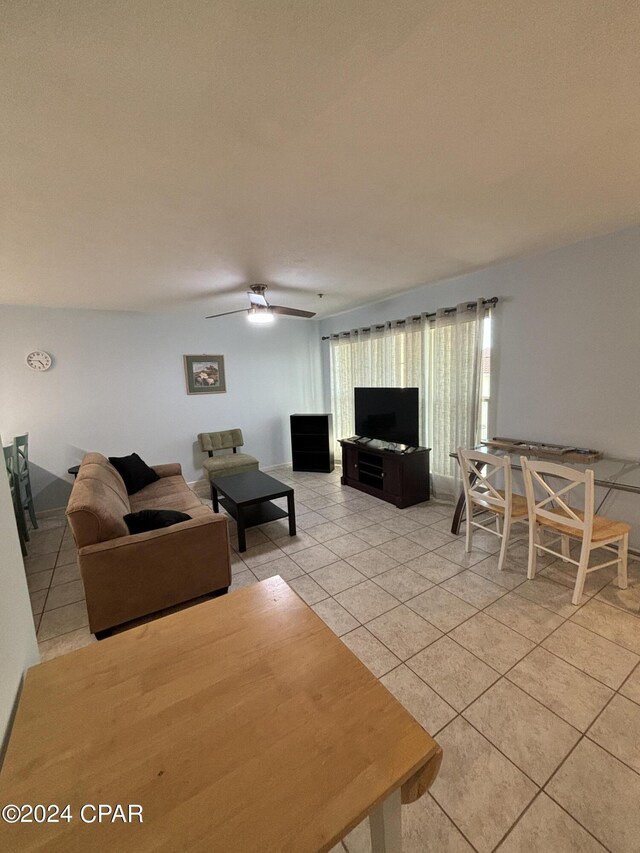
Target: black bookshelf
<point>312,443</point>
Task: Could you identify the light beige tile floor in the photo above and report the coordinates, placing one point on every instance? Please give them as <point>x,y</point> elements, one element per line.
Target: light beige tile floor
<point>535,702</point>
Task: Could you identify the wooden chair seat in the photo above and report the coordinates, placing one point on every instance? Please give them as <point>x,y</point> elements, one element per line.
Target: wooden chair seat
<point>519,508</point>
<point>603,528</point>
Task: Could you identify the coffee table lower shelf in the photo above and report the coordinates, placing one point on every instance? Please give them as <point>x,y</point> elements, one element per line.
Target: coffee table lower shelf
<point>257,514</point>
<point>247,498</point>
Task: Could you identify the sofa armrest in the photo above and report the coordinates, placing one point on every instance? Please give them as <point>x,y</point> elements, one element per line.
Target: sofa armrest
<point>169,469</point>
<point>142,573</point>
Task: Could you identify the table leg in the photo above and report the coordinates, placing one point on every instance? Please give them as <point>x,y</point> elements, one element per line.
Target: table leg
<point>214,498</point>
<point>457,515</point>
<point>291,509</point>
<point>242,539</point>
<point>385,823</point>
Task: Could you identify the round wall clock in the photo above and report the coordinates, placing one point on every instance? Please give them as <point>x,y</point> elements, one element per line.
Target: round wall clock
<point>39,360</point>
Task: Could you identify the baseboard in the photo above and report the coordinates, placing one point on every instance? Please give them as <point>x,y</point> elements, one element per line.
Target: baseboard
<point>47,513</point>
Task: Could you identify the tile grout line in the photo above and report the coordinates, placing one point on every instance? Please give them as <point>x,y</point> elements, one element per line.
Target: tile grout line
<point>604,748</point>
<point>581,735</point>
<point>540,788</point>
<point>560,806</point>
<point>49,587</point>
<point>482,609</point>
<point>400,564</point>
<point>565,619</point>
<point>37,627</point>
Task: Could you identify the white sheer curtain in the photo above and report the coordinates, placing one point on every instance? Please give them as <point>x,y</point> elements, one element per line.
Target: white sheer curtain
<point>454,390</point>
<point>389,356</point>
<point>441,356</point>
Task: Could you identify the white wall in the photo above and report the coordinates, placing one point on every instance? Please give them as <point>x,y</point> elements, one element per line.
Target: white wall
<point>117,385</point>
<point>567,345</point>
<point>18,647</point>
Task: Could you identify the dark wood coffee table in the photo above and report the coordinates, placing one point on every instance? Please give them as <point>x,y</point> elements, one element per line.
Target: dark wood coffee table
<point>247,498</point>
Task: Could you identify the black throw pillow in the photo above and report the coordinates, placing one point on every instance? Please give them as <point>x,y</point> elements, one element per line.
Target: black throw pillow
<point>153,519</point>
<point>135,473</point>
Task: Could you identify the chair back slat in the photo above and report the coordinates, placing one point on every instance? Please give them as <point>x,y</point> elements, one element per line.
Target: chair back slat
<point>479,474</point>
<point>9,461</point>
<point>21,444</point>
<point>553,506</point>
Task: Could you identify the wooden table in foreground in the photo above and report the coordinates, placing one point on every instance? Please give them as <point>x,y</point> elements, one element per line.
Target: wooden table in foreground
<point>241,724</point>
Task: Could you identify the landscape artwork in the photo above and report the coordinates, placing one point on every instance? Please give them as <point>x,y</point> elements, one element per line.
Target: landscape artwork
<point>205,374</point>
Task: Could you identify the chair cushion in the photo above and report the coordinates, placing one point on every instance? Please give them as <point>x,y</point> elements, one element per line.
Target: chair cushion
<point>519,508</point>
<point>224,440</point>
<point>134,471</point>
<point>153,519</point>
<point>603,528</point>
<point>230,463</point>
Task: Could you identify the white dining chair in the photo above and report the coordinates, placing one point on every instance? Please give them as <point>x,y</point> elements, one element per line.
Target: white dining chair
<point>482,473</point>
<point>554,508</point>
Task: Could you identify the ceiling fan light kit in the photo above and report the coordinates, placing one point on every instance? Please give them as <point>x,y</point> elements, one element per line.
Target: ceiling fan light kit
<point>260,316</point>
<point>260,311</point>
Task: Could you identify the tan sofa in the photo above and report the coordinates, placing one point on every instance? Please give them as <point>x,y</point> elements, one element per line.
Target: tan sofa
<point>127,576</point>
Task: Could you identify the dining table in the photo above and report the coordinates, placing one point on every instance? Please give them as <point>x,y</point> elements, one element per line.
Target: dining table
<point>611,474</point>
<point>236,725</point>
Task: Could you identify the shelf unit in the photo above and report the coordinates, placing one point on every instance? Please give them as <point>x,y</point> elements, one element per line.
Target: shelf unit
<point>399,478</point>
<point>312,443</point>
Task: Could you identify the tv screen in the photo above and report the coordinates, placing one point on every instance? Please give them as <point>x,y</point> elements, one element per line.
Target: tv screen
<point>388,414</point>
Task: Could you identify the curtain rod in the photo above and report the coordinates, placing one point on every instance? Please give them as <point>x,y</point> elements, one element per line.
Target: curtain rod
<point>492,301</point>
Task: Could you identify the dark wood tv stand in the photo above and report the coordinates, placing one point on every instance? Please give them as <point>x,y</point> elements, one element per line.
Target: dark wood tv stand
<point>399,478</point>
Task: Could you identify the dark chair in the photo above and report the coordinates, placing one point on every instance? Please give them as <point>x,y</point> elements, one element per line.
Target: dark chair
<point>11,463</point>
<point>21,443</point>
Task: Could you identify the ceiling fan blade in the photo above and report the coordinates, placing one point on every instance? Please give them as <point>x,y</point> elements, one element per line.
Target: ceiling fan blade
<point>291,312</point>
<point>257,299</point>
<point>226,313</point>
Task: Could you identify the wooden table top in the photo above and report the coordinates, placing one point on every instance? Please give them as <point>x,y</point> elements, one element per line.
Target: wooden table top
<point>241,724</point>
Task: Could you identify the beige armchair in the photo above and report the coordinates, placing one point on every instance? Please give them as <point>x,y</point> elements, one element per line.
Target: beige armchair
<point>221,463</point>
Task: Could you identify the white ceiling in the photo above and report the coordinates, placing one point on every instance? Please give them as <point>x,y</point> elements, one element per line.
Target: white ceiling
<point>162,156</point>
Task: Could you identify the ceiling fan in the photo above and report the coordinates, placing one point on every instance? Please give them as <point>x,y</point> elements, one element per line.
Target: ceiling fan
<point>260,311</point>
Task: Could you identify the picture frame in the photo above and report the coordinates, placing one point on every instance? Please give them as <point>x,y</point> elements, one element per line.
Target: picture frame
<point>205,374</point>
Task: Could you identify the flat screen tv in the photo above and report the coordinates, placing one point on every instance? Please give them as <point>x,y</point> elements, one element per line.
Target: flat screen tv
<point>388,414</point>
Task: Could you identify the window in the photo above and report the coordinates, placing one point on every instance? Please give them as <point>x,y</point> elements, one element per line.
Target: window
<point>448,357</point>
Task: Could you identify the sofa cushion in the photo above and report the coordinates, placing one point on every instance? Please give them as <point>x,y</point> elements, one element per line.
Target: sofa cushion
<point>134,471</point>
<point>153,519</point>
<point>182,501</point>
<point>164,487</point>
<point>167,493</point>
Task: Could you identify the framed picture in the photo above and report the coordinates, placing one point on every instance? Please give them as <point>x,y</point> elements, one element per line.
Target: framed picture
<point>205,374</point>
